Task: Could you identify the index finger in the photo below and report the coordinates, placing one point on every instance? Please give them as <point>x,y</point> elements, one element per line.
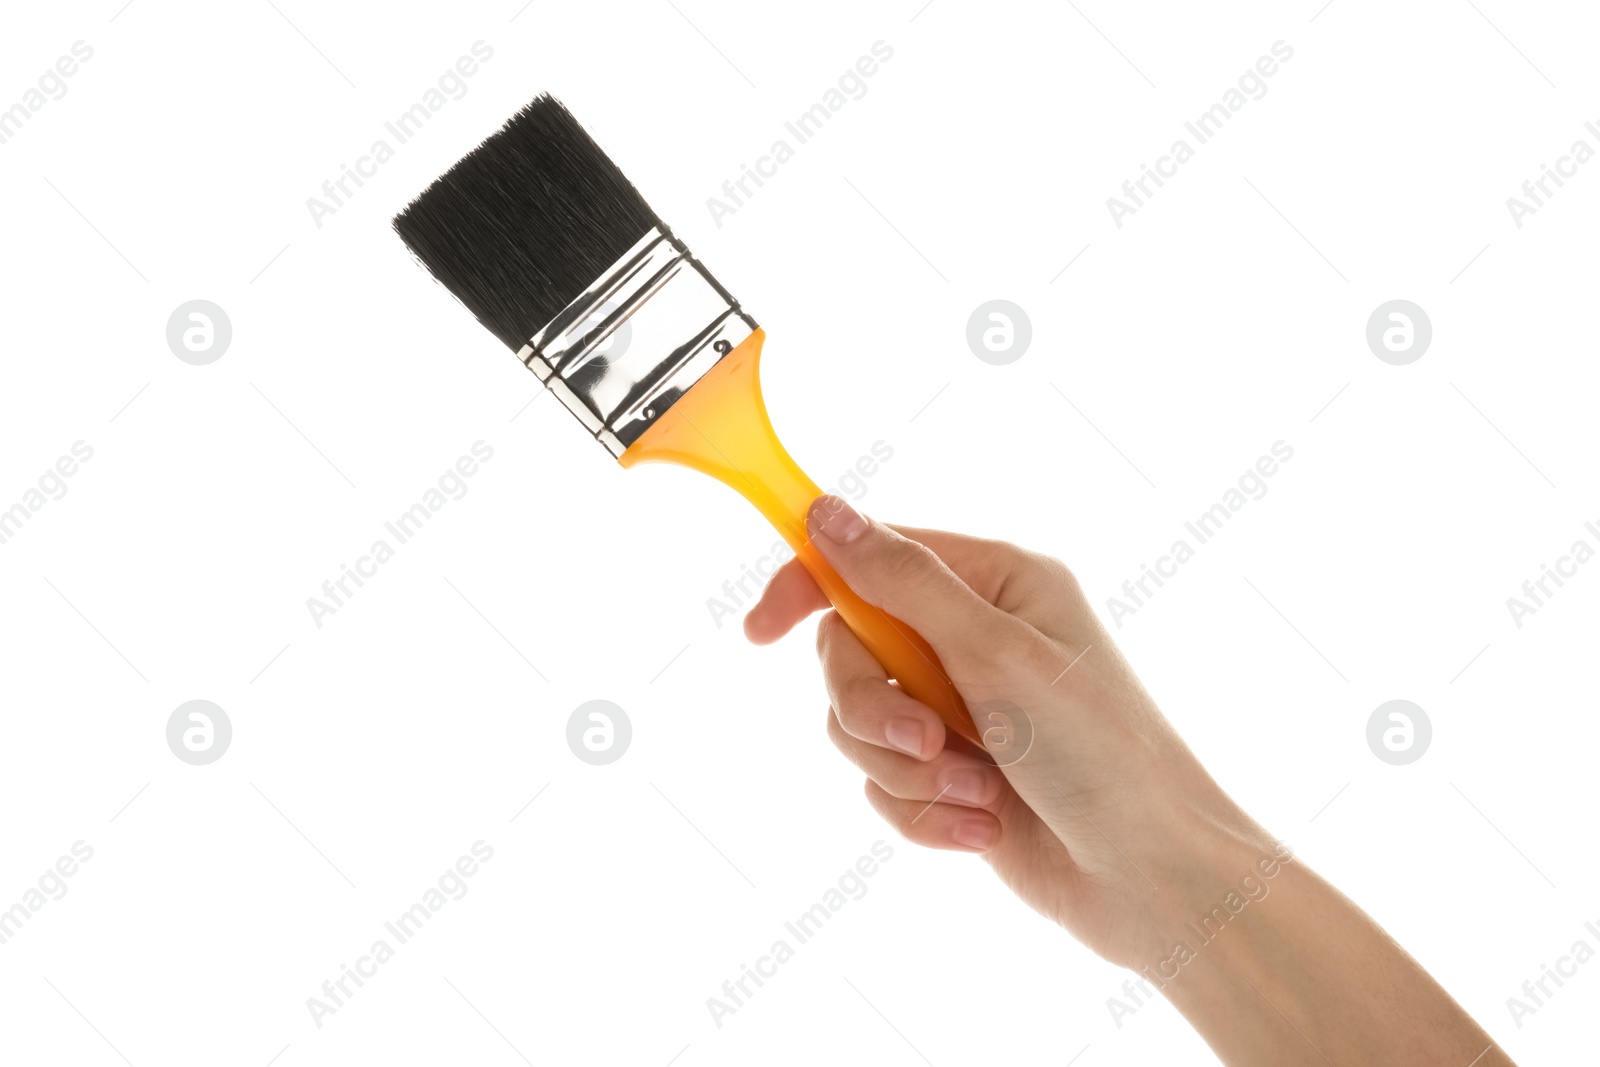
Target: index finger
<point>1033,587</point>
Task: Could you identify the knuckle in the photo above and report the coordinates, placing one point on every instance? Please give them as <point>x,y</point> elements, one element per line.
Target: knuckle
<point>880,800</point>
<point>902,560</point>
<point>889,808</point>
<point>828,628</point>
<point>861,700</point>
<point>1058,573</point>
<point>1044,577</point>
<point>836,732</point>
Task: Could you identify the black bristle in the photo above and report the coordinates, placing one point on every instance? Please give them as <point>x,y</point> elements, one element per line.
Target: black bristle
<point>524,222</point>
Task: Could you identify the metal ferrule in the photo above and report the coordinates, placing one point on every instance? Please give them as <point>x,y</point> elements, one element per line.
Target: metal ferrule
<point>637,339</point>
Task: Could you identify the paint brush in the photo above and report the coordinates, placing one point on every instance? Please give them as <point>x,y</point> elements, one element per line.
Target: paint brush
<point>545,240</point>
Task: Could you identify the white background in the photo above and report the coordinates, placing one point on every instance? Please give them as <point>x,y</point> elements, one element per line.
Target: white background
<point>368,754</point>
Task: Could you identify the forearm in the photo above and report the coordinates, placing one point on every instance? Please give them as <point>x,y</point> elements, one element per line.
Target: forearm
<point>1282,968</point>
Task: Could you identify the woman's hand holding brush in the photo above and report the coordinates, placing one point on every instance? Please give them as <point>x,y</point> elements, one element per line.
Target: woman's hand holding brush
<point>1090,808</point>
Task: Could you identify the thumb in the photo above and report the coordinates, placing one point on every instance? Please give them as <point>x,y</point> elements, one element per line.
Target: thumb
<point>907,580</point>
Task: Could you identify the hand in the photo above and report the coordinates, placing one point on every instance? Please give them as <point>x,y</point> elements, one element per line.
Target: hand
<point>1099,823</point>
<point>1104,821</point>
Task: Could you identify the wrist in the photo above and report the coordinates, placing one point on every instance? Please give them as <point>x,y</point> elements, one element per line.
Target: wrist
<point>1212,873</point>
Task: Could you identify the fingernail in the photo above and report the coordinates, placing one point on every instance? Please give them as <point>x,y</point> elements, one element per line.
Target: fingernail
<point>837,520</point>
<point>967,787</point>
<point>974,833</point>
<point>906,734</point>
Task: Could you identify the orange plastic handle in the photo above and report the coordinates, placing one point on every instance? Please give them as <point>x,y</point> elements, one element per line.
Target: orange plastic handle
<point>720,427</point>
